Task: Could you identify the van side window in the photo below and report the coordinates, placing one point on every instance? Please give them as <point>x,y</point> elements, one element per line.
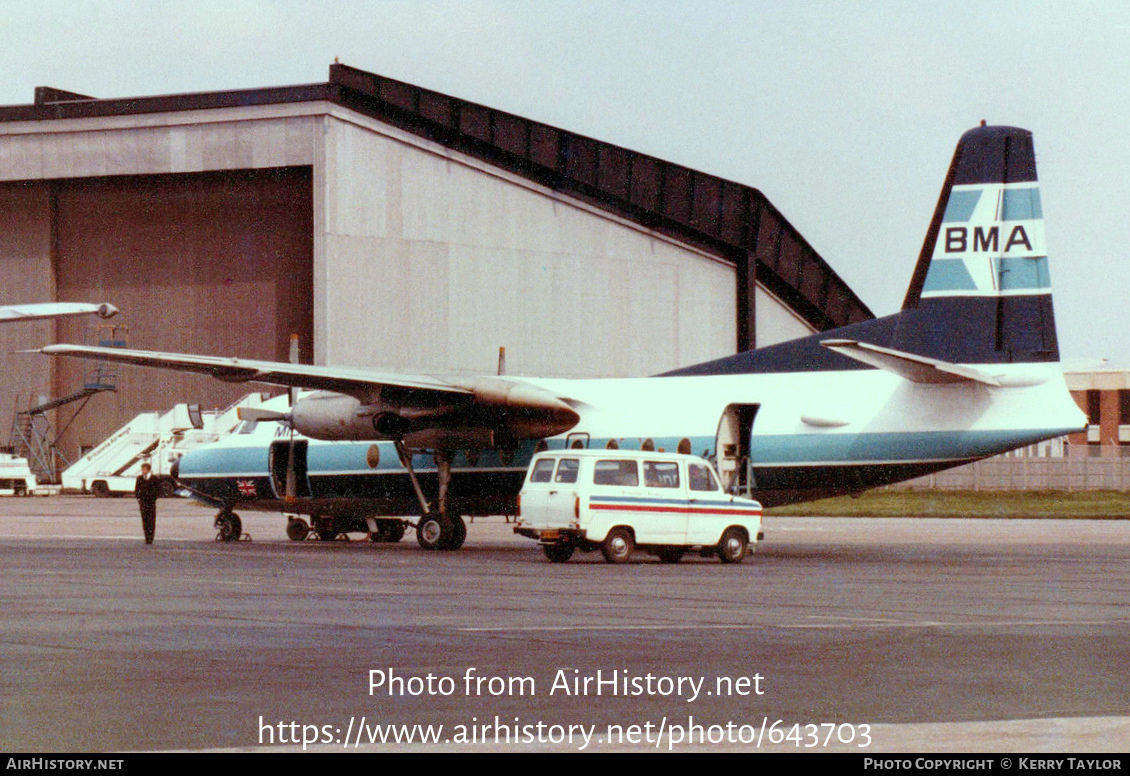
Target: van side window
<point>616,473</point>
<point>567,470</point>
<point>543,470</point>
<point>701,478</point>
<point>661,474</point>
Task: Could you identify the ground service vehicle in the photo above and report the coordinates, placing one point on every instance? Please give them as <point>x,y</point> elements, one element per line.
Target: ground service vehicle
<point>617,500</point>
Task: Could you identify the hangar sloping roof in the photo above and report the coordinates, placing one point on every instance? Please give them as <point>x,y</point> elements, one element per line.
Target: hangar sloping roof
<point>728,219</point>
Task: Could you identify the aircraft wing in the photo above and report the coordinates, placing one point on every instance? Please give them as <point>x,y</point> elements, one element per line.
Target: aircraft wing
<point>360,383</point>
<point>32,312</point>
<point>422,410</point>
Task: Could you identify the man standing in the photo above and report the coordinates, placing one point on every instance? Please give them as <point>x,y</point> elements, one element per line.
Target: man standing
<point>147,489</point>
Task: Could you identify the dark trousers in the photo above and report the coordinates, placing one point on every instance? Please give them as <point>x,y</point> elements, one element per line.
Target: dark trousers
<point>148,518</point>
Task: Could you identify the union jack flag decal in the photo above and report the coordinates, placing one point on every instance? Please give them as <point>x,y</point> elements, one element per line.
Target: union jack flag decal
<point>246,487</point>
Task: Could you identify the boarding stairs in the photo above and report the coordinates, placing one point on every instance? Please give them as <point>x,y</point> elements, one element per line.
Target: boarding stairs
<point>32,434</point>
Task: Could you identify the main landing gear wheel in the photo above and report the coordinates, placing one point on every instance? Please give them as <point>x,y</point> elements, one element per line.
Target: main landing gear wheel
<point>229,527</point>
<point>435,532</point>
<point>325,527</point>
<point>732,548</point>
<point>618,545</point>
<point>296,529</point>
<point>458,533</point>
<point>390,531</point>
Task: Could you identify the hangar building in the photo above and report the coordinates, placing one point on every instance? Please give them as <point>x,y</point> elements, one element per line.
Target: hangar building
<point>386,224</point>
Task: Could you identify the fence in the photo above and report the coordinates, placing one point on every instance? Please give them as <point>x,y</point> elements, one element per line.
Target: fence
<point>1070,473</point>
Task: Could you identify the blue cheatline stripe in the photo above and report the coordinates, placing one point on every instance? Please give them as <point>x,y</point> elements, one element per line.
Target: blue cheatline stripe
<point>237,460</point>
<point>346,458</point>
<point>1021,205</point>
<point>1023,273</point>
<point>961,205</point>
<point>948,275</point>
<point>840,448</point>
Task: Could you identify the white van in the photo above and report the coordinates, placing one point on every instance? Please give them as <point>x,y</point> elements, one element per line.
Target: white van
<point>617,500</point>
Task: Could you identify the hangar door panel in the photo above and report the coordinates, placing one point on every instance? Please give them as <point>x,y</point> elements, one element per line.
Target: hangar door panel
<point>217,263</point>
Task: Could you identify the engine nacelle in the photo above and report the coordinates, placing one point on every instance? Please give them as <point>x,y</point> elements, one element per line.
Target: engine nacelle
<point>326,415</point>
<point>336,416</point>
<point>491,412</point>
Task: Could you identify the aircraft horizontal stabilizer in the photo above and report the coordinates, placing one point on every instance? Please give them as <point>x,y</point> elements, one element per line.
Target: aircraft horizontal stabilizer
<point>917,369</point>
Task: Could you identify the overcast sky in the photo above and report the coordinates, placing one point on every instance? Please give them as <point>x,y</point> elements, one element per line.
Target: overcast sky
<point>845,114</point>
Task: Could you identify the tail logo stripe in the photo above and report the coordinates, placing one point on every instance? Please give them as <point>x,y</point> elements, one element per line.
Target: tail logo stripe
<point>961,206</point>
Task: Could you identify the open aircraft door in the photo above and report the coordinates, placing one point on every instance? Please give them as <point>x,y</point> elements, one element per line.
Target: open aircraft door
<point>280,460</point>
<point>732,447</point>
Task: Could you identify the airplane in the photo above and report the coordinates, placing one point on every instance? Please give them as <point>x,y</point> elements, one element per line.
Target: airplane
<point>967,369</point>
<point>42,310</point>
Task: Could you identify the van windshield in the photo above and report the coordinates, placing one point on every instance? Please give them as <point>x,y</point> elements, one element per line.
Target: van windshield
<point>700,477</point>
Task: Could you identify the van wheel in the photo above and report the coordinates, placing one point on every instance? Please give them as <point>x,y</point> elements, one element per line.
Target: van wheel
<point>618,545</point>
<point>671,554</point>
<point>558,553</point>
<point>732,548</point>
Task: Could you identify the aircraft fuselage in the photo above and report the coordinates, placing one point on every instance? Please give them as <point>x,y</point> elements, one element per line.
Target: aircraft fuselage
<point>805,436</point>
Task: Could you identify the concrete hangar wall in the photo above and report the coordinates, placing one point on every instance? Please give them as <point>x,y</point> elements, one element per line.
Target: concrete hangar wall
<point>389,226</point>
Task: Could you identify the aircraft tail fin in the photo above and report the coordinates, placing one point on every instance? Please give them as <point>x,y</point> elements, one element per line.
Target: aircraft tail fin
<point>984,263</point>
<point>980,293</point>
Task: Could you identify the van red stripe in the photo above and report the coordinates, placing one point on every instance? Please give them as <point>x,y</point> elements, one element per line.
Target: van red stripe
<point>676,510</point>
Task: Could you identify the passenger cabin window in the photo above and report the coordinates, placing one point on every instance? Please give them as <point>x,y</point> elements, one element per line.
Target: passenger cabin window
<point>660,474</point>
<point>567,470</point>
<point>622,473</point>
<point>701,478</point>
<point>543,470</point>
